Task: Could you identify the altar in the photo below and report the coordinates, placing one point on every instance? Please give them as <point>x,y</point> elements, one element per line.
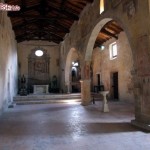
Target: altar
<point>40,89</point>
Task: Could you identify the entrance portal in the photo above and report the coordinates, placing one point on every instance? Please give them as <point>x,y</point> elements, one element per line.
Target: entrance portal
<point>115,86</point>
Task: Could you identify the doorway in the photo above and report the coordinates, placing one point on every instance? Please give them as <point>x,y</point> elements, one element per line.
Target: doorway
<point>98,79</point>
<point>115,86</point>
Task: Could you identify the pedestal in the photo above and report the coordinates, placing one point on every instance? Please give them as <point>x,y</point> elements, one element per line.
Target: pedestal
<point>105,105</point>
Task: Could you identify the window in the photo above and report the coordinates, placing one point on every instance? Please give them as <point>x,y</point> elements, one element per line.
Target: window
<point>75,64</point>
<point>75,71</point>
<point>102,47</point>
<point>39,53</point>
<point>101,6</point>
<point>113,50</point>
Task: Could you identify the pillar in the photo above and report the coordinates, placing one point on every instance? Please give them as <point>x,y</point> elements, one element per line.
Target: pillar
<point>86,84</point>
<point>85,92</point>
<point>68,87</point>
<point>142,83</point>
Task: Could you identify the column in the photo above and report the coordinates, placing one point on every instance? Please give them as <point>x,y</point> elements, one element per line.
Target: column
<point>142,83</point>
<point>68,87</point>
<point>85,92</point>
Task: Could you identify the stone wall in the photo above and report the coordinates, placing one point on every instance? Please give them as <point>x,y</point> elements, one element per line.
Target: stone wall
<point>25,48</point>
<point>83,32</point>
<point>8,62</point>
<point>123,64</point>
<point>130,15</point>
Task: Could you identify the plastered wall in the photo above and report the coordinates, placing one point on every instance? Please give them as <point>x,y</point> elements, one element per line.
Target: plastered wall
<point>24,49</point>
<point>8,62</point>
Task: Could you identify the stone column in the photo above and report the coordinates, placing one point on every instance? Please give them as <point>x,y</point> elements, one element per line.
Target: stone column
<point>142,83</point>
<point>68,87</point>
<point>86,84</point>
<point>85,92</point>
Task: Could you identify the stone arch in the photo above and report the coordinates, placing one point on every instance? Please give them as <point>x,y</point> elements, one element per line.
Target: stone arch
<point>72,55</point>
<point>95,30</point>
<point>100,22</point>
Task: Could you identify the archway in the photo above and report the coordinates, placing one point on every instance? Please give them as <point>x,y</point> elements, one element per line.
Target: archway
<point>112,63</point>
<point>88,55</point>
<point>72,71</point>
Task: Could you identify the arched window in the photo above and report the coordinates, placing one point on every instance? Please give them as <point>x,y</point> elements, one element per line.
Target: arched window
<point>101,6</point>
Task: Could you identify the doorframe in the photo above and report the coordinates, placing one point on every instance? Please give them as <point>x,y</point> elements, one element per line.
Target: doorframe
<point>112,84</point>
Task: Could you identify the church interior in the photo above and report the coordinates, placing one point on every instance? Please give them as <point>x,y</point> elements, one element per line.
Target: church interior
<point>74,74</point>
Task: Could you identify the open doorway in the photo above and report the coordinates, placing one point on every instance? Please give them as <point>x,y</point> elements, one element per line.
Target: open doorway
<point>114,86</point>
<point>73,71</point>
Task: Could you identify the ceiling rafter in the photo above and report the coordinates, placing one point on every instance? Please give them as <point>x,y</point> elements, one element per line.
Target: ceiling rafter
<point>35,21</point>
<point>45,33</point>
<point>108,33</point>
<point>53,18</point>
<point>64,12</point>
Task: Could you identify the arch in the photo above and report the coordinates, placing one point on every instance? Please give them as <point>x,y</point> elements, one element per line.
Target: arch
<point>100,22</point>
<point>95,31</point>
<point>68,65</point>
<point>73,56</point>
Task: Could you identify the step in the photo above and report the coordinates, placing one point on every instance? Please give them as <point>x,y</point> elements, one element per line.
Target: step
<point>47,96</point>
<point>44,99</point>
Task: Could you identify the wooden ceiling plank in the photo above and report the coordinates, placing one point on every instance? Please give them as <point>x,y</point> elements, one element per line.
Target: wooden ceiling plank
<point>65,12</point>
<point>54,17</point>
<point>79,6</point>
<point>46,33</point>
<point>35,21</point>
<point>109,34</point>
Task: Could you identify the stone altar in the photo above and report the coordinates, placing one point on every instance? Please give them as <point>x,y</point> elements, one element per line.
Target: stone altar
<point>40,89</point>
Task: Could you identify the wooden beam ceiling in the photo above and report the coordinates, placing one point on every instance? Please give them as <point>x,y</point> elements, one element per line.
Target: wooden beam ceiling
<point>52,16</point>
<point>52,19</point>
<point>110,30</point>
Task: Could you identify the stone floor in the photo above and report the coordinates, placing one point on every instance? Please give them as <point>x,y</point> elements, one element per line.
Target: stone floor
<point>71,127</point>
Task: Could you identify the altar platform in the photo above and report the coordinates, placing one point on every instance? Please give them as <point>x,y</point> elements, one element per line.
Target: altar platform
<point>46,98</point>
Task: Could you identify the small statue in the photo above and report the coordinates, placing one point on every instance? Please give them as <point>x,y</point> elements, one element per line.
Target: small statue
<point>23,81</point>
<point>23,90</point>
<point>73,75</point>
<point>54,81</point>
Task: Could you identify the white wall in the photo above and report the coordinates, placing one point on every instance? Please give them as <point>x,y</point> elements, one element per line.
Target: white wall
<point>24,49</point>
<point>8,62</point>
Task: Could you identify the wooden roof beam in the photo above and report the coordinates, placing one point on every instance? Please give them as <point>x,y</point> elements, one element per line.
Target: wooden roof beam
<point>46,33</point>
<point>109,34</point>
<point>89,1</point>
<point>32,36</point>
<point>21,39</point>
<point>65,12</point>
<point>56,25</point>
<point>77,6</point>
